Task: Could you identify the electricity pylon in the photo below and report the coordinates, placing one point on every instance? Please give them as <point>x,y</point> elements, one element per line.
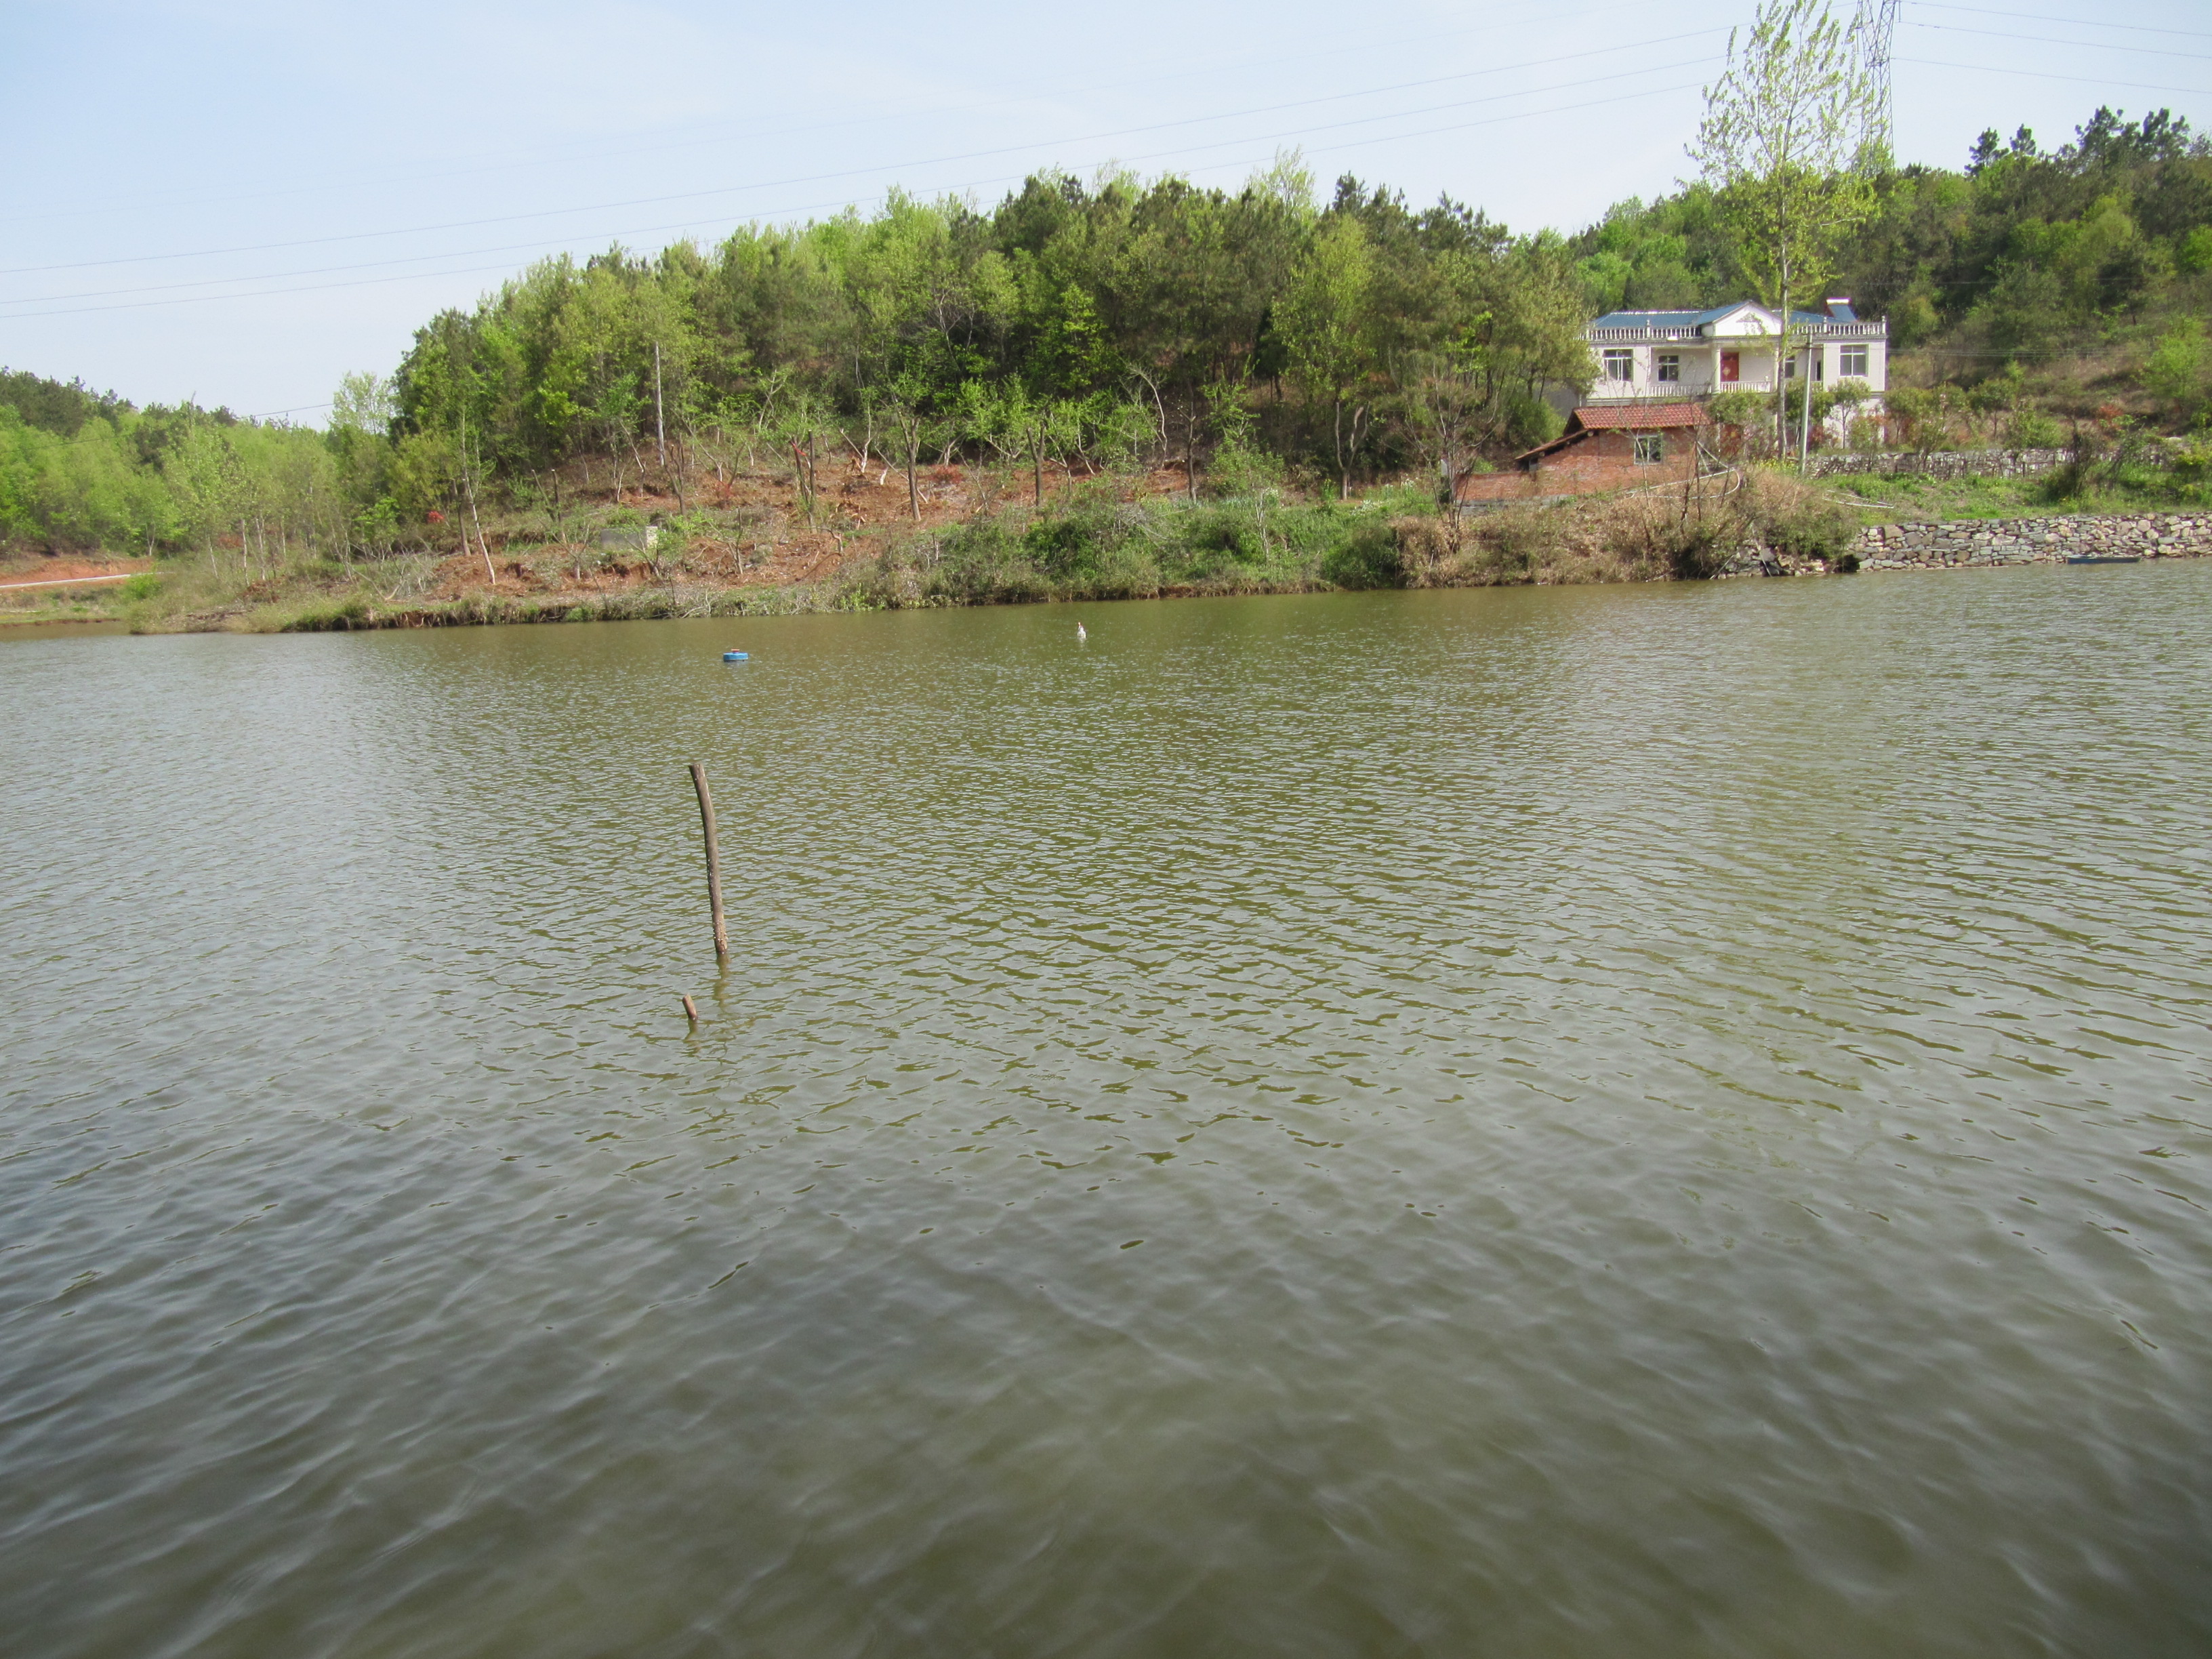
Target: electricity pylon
<point>1875,26</point>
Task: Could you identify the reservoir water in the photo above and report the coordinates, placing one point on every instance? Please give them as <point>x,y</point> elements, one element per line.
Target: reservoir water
<point>1659,1121</point>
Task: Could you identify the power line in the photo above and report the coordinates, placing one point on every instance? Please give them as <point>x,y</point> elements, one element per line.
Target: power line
<point>1364,120</point>
<point>2044,17</point>
<point>1427,132</point>
<point>647,230</point>
<point>2047,40</point>
<point>543,157</point>
<point>2041,74</point>
<point>208,282</point>
<point>969,155</point>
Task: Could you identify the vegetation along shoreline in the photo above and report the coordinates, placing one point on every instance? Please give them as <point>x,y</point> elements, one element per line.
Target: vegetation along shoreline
<point>1099,547</point>
<point>1123,387</point>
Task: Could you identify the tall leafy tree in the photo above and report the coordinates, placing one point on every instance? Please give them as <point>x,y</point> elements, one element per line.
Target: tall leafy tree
<point>1782,129</point>
<point>1327,325</point>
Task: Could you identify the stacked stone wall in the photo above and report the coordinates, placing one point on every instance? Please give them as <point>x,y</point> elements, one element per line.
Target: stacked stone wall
<point>1941,463</point>
<point>1971,463</point>
<point>2051,540</point>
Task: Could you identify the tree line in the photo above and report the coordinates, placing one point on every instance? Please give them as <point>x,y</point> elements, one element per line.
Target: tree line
<point>1125,323</point>
<point>83,469</point>
<point>1077,324</point>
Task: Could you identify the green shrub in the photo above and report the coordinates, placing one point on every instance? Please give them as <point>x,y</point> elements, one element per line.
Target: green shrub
<point>1918,412</point>
<point>1211,534</point>
<point>2180,369</point>
<point>1814,530</point>
<point>1846,396</point>
<point>144,585</point>
<point>1067,545</point>
<point>1530,420</point>
<point>1794,517</point>
<point>1999,392</point>
<point>1741,409</point>
<point>1367,557</point>
<point>1698,551</point>
<point>984,562</point>
<point>1239,469</point>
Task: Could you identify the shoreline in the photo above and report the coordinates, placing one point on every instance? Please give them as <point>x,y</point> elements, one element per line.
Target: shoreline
<point>896,580</point>
<point>679,603</point>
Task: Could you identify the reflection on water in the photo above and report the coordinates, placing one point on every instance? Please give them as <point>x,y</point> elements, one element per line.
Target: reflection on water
<point>1644,1122</point>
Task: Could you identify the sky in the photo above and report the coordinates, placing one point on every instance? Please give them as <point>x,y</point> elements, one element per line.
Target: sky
<point>240,202</point>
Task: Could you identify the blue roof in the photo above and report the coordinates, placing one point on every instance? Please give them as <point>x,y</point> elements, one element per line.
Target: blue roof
<point>1841,312</point>
<point>1660,319</point>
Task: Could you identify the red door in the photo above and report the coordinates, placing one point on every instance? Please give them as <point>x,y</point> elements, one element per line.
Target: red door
<point>1731,366</point>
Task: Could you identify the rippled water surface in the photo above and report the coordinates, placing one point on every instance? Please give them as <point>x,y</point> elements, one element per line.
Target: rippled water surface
<point>1648,1122</point>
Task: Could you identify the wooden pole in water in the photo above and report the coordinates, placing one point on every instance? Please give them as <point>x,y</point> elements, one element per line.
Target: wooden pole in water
<point>713,860</point>
<point>691,1009</point>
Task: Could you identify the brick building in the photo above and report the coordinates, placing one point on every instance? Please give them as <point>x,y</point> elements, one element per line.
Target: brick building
<point>1605,446</point>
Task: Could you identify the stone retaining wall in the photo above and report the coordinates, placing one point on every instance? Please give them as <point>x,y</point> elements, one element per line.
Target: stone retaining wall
<point>2034,541</point>
<point>1941,463</point>
<point>1977,462</point>
<point>1991,542</point>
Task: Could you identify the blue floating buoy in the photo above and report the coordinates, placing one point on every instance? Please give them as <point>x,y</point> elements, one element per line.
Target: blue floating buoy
<point>735,656</point>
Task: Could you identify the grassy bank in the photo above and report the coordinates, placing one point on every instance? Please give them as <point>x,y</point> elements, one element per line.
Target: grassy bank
<point>1095,545</point>
<point>1100,541</point>
<point>2135,474</point>
<point>1107,538</point>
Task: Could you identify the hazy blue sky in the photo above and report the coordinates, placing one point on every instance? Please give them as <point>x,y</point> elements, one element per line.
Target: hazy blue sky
<point>242,200</point>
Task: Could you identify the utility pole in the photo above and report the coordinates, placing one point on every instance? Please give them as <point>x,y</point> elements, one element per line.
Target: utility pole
<point>659,415</point>
<point>1813,354</point>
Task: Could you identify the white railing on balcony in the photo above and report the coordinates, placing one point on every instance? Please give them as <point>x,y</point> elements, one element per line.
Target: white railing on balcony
<point>1827,329</point>
<point>1644,389</point>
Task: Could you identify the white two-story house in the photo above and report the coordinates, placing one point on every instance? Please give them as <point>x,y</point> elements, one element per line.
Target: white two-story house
<point>1645,357</point>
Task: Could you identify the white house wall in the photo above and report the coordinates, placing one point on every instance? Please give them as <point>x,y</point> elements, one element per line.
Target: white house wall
<point>1700,368</point>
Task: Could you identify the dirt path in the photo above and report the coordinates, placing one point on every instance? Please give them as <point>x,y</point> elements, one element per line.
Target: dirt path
<point>68,581</point>
<point>66,572</point>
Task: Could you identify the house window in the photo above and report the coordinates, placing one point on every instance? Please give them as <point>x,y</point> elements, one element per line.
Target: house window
<point>1670,365</point>
<point>1731,366</point>
<point>1650,447</point>
<point>1619,365</point>
<point>1853,363</point>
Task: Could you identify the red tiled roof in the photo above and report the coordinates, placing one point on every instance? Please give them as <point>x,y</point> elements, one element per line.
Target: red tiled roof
<point>1641,417</point>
